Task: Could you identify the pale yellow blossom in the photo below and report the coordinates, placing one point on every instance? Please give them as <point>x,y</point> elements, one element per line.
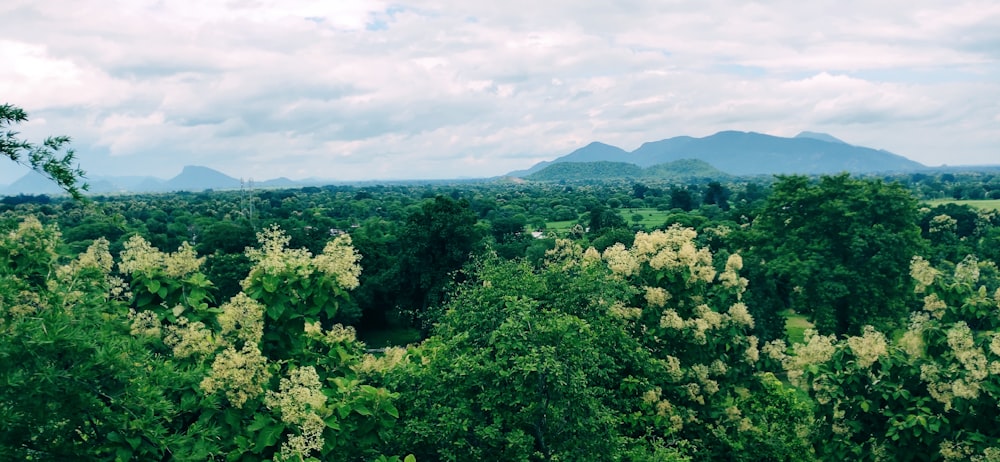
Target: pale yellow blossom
<point>620,261</point>
<point>239,374</point>
<point>740,315</point>
<point>190,338</point>
<point>869,347</point>
<point>657,297</point>
<point>243,318</point>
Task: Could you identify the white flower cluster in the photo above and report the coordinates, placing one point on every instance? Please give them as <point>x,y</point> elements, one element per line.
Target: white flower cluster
<point>816,349</point>
<point>240,374</point>
<point>339,259</point>
<point>922,272</point>
<point>672,249</point>
<point>243,318</point>
<point>869,347</point>
<point>301,401</point>
<point>190,338</point>
<point>141,257</point>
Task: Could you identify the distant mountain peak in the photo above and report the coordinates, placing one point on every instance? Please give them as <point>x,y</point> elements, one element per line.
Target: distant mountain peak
<point>749,153</point>
<point>820,136</point>
<point>198,178</point>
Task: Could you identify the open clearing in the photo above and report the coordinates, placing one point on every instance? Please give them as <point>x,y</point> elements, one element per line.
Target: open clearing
<point>985,204</point>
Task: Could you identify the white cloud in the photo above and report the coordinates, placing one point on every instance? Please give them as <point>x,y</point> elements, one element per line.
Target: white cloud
<point>363,89</point>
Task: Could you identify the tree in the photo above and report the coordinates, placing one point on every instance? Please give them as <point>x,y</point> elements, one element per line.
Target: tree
<point>840,248</point>
<point>44,158</point>
<point>436,241</point>
<point>929,393</point>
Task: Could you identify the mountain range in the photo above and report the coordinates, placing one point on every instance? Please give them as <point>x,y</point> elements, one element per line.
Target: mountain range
<point>191,178</point>
<point>715,156</point>
<point>746,153</point>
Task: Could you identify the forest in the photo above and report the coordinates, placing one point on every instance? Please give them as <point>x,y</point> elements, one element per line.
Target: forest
<point>782,318</point>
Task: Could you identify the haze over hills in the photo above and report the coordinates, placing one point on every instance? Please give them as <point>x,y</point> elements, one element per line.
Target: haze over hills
<point>191,178</point>
<point>749,153</point>
<point>715,156</point>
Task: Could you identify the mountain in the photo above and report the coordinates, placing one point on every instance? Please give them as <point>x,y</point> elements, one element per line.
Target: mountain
<point>749,153</point>
<point>32,183</point>
<point>684,170</point>
<point>195,178</point>
<point>820,136</point>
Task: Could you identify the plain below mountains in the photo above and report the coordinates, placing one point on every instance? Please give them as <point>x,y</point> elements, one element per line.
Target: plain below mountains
<point>191,178</point>
<point>732,152</point>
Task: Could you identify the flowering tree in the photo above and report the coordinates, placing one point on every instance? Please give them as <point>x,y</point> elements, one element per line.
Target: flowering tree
<point>95,367</point>
<point>640,353</point>
<point>929,394</point>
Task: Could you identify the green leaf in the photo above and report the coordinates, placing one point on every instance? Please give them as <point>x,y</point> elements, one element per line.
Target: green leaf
<point>391,410</point>
<point>268,436</point>
<point>410,458</point>
<point>270,283</point>
<point>153,286</point>
<point>259,421</point>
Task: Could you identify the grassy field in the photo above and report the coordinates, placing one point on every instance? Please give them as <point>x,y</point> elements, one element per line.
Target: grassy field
<point>651,218</point>
<point>795,326</point>
<point>988,204</point>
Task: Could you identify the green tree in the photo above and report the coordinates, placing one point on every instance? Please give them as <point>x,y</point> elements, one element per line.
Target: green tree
<point>437,239</point>
<point>840,248</point>
<point>930,393</point>
<point>46,158</point>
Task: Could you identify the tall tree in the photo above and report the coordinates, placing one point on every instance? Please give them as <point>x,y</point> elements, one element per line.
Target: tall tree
<point>840,247</point>
<point>436,240</point>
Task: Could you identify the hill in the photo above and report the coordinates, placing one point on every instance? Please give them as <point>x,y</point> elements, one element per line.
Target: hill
<point>586,171</point>
<point>683,170</point>
<point>749,153</point>
<point>195,178</point>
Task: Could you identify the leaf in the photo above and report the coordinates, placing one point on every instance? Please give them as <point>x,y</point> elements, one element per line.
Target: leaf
<point>268,436</point>
<point>270,283</point>
<point>391,410</point>
<point>153,286</point>
<point>410,458</point>
<point>259,421</point>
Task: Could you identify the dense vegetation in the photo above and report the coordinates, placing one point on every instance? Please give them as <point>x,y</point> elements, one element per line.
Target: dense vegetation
<point>226,325</point>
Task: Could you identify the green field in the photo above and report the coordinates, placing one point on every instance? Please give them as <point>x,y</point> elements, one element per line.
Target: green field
<point>651,218</point>
<point>986,204</point>
<point>795,326</point>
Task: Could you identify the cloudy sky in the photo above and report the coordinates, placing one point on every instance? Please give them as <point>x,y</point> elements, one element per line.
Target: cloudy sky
<point>356,89</point>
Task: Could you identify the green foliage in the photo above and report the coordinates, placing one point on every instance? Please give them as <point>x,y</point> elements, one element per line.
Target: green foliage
<point>437,239</point>
<point>297,288</point>
<point>582,359</point>
<point>43,158</point>
<point>843,250</point>
<point>925,395</point>
<point>173,377</point>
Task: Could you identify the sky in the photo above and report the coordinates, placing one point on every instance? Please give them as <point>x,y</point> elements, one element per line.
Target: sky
<point>358,90</point>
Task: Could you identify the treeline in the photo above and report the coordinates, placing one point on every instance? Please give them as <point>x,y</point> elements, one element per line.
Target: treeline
<point>219,325</point>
